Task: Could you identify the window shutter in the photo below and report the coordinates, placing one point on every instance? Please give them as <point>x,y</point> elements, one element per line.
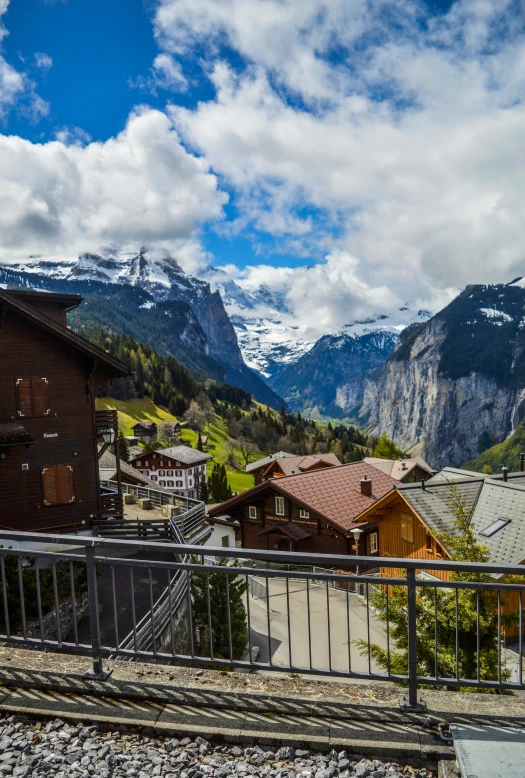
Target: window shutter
<point>368,546</point>
<point>39,393</point>
<point>49,485</point>
<point>23,397</point>
<point>65,484</point>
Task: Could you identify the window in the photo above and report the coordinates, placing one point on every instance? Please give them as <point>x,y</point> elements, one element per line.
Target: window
<point>304,514</point>
<point>154,456</point>
<point>162,463</point>
<point>279,506</point>
<point>225,541</point>
<point>169,472</point>
<point>189,471</point>
<point>252,512</point>
<point>428,545</point>
<point>162,483</point>
<point>170,483</point>
<point>494,527</point>
<point>153,477</point>
<point>407,527</point>
<point>178,484</point>
<point>57,485</point>
<point>146,463</point>
<point>178,473</point>
<point>31,397</point>
<point>161,472</point>
<point>372,544</point>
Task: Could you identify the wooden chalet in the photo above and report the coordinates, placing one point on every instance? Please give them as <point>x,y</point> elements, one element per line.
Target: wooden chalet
<point>49,428</point>
<point>281,464</point>
<point>309,512</point>
<point>413,519</point>
<point>145,431</point>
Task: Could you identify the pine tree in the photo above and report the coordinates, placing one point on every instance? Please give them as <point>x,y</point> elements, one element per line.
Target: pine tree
<point>123,447</point>
<point>204,492</point>
<point>441,604</point>
<point>218,484</point>
<point>219,594</point>
<point>199,443</point>
<point>387,449</point>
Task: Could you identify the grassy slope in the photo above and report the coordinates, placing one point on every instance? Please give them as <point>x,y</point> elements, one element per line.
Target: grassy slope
<point>131,411</point>
<point>506,453</point>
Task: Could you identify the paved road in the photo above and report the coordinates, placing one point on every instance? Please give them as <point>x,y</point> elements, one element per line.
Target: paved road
<point>324,642</point>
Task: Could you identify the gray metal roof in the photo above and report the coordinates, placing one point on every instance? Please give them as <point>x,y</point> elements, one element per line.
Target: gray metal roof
<point>433,502</point>
<point>491,498</point>
<point>267,460</point>
<point>189,456</point>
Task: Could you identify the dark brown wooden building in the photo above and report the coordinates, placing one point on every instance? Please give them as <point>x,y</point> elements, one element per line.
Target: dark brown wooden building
<point>310,512</point>
<point>280,464</point>
<point>49,429</point>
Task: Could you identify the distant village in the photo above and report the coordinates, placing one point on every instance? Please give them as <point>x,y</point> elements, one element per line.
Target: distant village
<point>60,469</point>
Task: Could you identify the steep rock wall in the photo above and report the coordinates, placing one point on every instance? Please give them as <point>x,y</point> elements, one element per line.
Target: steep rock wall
<point>425,413</point>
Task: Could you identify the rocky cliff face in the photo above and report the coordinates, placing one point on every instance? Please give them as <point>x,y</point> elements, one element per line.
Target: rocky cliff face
<point>452,382</point>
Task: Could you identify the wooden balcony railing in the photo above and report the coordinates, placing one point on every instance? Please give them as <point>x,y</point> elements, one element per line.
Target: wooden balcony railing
<point>111,504</point>
<point>106,418</point>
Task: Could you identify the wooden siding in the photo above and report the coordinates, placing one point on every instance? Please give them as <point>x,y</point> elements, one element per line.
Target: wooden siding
<point>392,543</point>
<point>64,437</point>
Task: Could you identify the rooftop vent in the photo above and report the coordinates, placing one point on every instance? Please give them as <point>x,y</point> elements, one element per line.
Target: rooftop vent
<point>505,471</point>
<point>366,486</point>
<point>403,465</point>
<point>522,462</point>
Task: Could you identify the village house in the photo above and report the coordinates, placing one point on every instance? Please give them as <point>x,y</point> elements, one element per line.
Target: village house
<point>49,427</point>
<point>412,519</point>
<point>109,473</point>
<point>281,464</point>
<point>310,512</point>
<point>178,469</point>
<point>407,471</point>
<point>145,431</point>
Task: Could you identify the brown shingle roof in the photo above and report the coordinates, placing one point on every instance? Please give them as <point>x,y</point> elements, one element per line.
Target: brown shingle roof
<point>292,465</point>
<point>334,493</point>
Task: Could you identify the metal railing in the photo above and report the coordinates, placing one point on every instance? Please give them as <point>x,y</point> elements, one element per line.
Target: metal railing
<point>189,515</point>
<point>143,601</point>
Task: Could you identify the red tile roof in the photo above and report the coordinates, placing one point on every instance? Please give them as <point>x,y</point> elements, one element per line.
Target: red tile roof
<point>333,493</point>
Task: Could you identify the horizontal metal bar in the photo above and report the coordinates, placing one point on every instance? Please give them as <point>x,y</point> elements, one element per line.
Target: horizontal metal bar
<point>470,682</point>
<point>481,585</point>
<point>286,557</point>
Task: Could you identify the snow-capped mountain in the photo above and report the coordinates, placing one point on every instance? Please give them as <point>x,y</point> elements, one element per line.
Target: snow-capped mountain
<point>268,336</point>
<point>311,382</point>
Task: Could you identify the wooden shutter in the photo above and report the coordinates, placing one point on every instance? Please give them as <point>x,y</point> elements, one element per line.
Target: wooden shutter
<point>39,396</point>
<point>65,484</point>
<point>49,485</point>
<point>23,397</point>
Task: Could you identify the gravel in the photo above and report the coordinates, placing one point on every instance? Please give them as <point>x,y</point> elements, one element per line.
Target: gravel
<point>58,750</point>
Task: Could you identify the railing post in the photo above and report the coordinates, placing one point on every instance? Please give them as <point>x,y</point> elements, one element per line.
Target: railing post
<point>412,705</point>
<point>94,624</point>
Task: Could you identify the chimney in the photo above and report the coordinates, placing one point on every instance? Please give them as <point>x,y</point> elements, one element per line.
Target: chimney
<point>366,486</point>
<point>522,462</point>
<point>403,465</point>
<point>505,471</point>
<point>423,487</point>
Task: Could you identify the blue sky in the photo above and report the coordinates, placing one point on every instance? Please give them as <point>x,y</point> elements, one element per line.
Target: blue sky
<point>352,153</point>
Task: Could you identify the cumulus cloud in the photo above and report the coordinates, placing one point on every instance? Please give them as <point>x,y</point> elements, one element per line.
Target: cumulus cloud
<point>365,131</point>
<point>140,187</point>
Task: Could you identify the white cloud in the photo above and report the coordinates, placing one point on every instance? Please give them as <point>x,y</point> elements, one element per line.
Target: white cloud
<point>16,86</point>
<point>140,187</point>
<point>43,60</point>
<point>166,73</point>
<point>364,130</point>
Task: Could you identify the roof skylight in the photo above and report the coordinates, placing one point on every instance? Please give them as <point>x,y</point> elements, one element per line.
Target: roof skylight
<point>491,530</point>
